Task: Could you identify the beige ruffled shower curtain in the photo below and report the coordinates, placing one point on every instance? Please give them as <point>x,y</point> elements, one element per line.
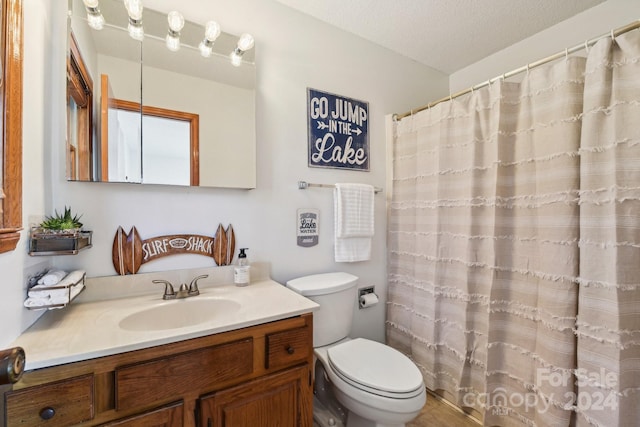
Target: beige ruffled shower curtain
<point>514,243</point>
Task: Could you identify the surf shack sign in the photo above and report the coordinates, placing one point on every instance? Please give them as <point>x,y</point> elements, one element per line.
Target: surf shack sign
<point>338,131</point>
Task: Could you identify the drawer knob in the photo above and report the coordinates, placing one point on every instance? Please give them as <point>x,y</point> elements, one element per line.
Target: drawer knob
<point>290,349</point>
<point>47,413</point>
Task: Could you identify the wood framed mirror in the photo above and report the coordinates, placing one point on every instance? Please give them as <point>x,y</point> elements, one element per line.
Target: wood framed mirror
<point>222,151</point>
<point>11,106</point>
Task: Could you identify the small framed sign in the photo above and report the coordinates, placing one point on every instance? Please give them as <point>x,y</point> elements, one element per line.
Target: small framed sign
<point>338,131</point>
<point>308,227</point>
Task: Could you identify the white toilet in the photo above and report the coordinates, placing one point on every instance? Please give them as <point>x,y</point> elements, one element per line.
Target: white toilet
<point>358,382</point>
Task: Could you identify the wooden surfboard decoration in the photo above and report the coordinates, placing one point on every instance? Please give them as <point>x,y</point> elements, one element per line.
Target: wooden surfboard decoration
<point>133,251</point>
<point>117,251</point>
<point>231,245</point>
<point>220,246</point>
<point>126,252</point>
<point>129,251</point>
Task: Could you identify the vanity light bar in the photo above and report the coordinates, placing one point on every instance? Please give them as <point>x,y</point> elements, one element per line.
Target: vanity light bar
<point>176,23</point>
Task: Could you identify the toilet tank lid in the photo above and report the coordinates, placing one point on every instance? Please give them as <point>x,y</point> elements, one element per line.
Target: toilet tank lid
<point>321,284</point>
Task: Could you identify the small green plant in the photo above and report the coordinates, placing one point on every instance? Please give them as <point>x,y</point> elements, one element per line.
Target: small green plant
<point>61,222</point>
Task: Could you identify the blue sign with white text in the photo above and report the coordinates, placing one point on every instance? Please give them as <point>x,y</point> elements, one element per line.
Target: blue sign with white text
<point>338,131</point>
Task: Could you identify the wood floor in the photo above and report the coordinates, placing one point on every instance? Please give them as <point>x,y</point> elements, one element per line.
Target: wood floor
<point>437,413</point>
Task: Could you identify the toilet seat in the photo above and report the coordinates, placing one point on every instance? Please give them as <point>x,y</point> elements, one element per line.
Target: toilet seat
<point>375,368</point>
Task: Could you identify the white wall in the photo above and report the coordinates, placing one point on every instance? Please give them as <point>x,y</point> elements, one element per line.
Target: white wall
<point>587,25</point>
<point>16,266</point>
<point>293,52</point>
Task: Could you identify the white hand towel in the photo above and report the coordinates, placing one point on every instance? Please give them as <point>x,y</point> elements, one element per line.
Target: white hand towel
<point>75,290</point>
<point>57,299</point>
<point>353,222</point>
<point>354,204</point>
<point>72,278</point>
<point>48,293</point>
<point>43,291</point>
<point>52,277</point>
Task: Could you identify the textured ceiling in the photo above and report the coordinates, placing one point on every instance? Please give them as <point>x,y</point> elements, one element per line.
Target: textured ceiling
<point>444,34</point>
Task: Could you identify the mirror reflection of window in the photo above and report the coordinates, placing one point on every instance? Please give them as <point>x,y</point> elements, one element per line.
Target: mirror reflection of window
<point>166,151</point>
<point>169,151</point>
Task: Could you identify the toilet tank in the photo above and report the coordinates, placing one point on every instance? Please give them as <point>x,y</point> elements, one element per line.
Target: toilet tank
<point>336,295</point>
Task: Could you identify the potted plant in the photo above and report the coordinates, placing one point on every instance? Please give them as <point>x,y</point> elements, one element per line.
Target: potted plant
<point>59,234</point>
<point>65,223</point>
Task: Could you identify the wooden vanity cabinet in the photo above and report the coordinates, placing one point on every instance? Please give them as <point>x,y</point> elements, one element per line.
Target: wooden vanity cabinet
<point>167,416</point>
<point>258,376</point>
<point>275,400</point>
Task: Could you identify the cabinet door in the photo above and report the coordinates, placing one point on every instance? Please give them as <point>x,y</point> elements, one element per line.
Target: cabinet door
<point>274,400</point>
<point>167,416</point>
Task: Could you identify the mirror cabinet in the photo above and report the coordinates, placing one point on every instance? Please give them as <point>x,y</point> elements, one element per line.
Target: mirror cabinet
<point>141,112</point>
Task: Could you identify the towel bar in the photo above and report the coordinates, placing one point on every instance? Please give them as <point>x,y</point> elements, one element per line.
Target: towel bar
<point>303,185</point>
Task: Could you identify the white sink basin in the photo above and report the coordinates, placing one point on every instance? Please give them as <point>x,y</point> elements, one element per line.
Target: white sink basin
<point>180,313</point>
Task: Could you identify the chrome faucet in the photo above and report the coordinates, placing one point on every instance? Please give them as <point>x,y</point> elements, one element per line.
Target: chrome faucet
<point>184,291</point>
<point>169,292</point>
<point>193,286</point>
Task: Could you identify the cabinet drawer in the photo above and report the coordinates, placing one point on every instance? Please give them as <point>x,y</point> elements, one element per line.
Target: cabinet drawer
<point>161,380</point>
<point>288,347</point>
<point>61,403</point>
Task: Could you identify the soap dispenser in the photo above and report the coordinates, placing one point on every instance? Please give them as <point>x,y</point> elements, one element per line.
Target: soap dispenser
<point>241,275</point>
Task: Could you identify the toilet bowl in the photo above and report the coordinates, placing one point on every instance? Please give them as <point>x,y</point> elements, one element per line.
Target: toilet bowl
<point>377,384</point>
<point>362,382</point>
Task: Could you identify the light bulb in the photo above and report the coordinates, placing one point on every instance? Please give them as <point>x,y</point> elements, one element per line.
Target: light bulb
<point>246,42</point>
<point>136,32</point>
<point>95,21</point>
<point>236,58</point>
<point>205,49</point>
<point>211,30</point>
<point>173,43</point>
<point>134,9</point>
<point>91,4</point>
<point>176,21</point>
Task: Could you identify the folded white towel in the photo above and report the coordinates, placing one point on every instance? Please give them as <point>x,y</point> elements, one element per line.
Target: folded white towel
<point>52,277</point>
<point>48,293</point>
<point>354,204</point>
<point>353,222</point>
<point>44,302</point>
<point>43,291</point>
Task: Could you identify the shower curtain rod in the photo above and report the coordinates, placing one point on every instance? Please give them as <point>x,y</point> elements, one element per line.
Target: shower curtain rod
<point>566,52</point>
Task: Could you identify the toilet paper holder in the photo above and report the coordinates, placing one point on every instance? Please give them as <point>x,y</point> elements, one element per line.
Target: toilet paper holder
<point>366,291</point>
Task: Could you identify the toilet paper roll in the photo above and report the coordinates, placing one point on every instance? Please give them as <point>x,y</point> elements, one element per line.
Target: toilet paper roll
<point>368,300</point>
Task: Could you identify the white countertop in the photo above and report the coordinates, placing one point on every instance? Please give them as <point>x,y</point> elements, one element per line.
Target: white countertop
<point>86,330</point>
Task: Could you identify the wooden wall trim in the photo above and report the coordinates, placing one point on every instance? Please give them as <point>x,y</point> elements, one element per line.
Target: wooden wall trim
<point>11,217</point>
